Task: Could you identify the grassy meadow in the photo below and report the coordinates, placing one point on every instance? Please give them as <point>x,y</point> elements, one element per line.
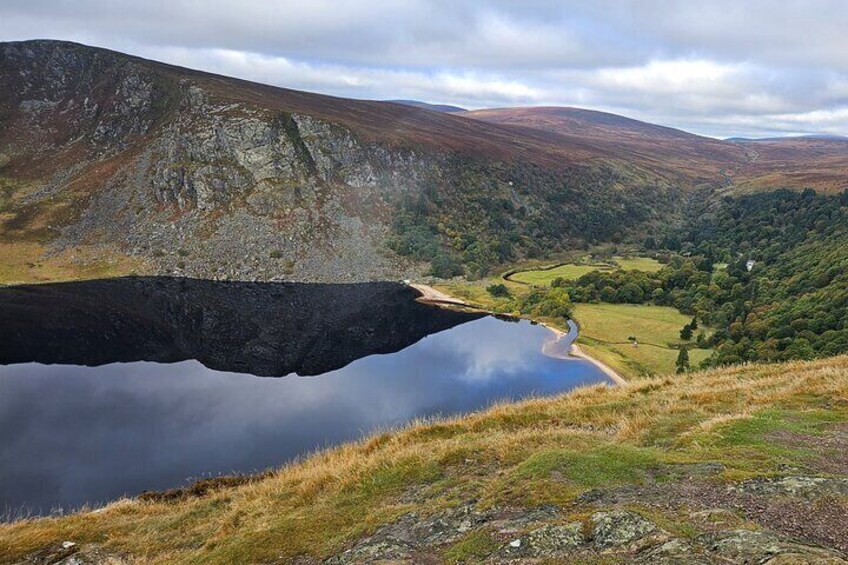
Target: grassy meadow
<point>543,276</point>
<point>645,264</point>
<point>605,329</point>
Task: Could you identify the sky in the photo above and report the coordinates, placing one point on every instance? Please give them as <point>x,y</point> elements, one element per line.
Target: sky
<point>722,68</point>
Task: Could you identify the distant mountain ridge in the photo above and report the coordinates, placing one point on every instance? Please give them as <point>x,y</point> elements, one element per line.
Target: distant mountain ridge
<point>826,136</point>
<point>447,108</point>
<point>196,174</point>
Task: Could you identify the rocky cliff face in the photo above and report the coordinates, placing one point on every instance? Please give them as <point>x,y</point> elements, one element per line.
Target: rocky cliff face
<point>256,193</point>
<point>198,184</point>
<point>217,178</point>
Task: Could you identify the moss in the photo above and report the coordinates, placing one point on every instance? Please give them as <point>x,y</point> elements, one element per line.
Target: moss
<point>473,547</point>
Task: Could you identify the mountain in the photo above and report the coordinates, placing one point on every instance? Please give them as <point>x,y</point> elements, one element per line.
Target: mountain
<point>109,156</point>
<point>652,146</point>
<point>427,106</point>
<point>112,163</point>
<point>828,136</point>
<point>819,162</point>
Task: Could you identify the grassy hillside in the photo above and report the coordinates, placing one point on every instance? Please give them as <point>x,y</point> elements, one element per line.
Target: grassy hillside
<point>29,262</point>
<point>725,466</point>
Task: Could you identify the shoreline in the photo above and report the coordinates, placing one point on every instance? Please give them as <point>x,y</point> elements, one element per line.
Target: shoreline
<point>430,295</point>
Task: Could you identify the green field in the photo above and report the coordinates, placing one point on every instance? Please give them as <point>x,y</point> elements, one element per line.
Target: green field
<point>645,264</point>
<point>543,277</point>
<point>605,329</point>
<point>571,271</point>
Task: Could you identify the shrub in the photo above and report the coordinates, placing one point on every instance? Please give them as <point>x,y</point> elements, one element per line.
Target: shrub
<point>498,290</point>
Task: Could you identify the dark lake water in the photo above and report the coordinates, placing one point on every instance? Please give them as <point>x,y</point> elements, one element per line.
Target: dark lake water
<point>111,388</point>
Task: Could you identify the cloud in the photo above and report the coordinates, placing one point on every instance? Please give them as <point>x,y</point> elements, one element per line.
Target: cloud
<point>717,67</point>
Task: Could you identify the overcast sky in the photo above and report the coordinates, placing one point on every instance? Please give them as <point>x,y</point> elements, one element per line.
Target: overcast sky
<point>715,67</point>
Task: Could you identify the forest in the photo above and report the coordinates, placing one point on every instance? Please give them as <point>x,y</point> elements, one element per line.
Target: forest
<point>476,217</point>
<point>791,304</point>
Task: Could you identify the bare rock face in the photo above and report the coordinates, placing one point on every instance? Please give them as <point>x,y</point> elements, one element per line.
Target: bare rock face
<point>619,528</point>
<point>544,534</point>
<point>71,553</point>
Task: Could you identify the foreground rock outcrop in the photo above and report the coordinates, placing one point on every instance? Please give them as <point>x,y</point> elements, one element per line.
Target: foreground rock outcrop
<point>617,534</point>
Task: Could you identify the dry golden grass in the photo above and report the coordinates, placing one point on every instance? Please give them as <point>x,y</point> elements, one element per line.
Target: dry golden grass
<point>29,262</point>
<point>595,436</point>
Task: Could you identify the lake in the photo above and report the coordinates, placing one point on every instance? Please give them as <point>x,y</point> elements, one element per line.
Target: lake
<point>111,388</point>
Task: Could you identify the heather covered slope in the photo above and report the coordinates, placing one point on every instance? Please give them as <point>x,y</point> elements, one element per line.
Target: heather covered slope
<point>806,162</point>
<point>819,163</point>
<point>743,464</point>
<point>674,152</point>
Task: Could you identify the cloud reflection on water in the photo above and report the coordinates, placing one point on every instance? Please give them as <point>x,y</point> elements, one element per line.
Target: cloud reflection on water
<point>74,434</point>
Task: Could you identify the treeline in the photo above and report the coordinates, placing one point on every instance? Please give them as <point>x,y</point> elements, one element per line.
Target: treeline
<point>792,304</point>
<point>540,302</point>
<point>476,216</point>
<point>796,295</point>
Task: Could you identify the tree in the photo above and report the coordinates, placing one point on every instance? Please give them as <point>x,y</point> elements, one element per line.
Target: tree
<point>445,266</point>
<point>682,360</point>
<point>686,333</point>
<point>630,293</point>
<point>694,323</point>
